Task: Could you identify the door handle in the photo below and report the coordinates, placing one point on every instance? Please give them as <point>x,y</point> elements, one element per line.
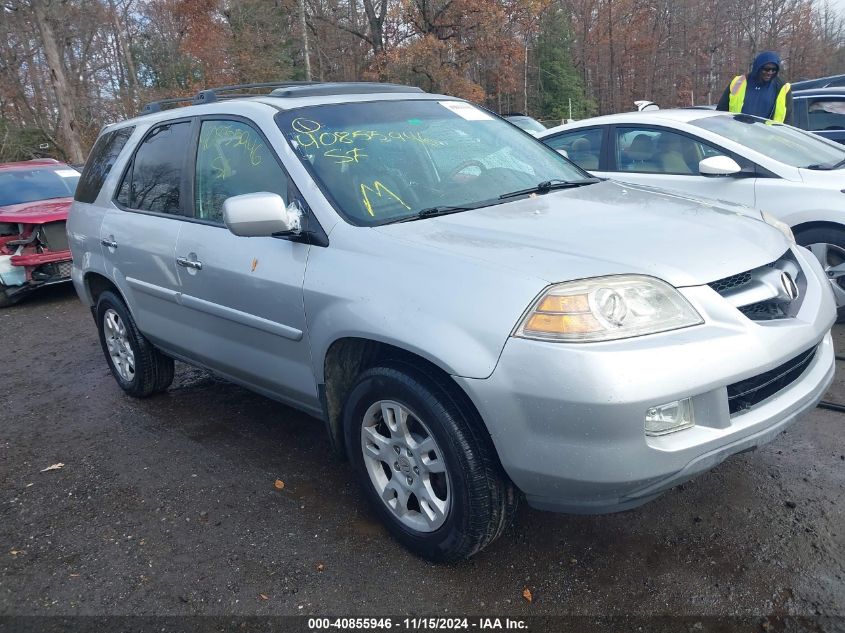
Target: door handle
<point>187,263</point>
<point>109,243</point>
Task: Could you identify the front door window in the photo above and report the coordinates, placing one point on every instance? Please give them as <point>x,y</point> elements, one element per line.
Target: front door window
<point>649,150</point>
<point>233,159</point>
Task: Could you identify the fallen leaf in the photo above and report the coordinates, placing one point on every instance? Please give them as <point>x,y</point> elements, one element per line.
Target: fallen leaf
<point>320,567</point>
<point>279,484</point>
<point>254,264</point>
<point>263,597</point>
<point>53,467</point>
<point>526,593</point>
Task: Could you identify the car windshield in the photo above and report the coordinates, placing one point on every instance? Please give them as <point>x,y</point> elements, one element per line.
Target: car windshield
<point>527,123</point>
<point>18,186</point>
<point>780,142</point>
<point>382,162</point>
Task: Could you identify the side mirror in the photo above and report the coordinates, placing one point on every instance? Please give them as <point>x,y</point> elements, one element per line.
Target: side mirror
<point>719,166</point>
<point>563,153</point>
<point>261,214</point>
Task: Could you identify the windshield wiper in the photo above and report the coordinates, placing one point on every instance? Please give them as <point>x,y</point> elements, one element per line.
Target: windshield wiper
<point>550,185</point>
<point>433,212</point>
<point>841,163</point>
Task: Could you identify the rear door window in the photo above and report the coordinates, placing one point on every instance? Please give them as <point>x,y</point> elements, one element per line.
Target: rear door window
<point>153,181</point>
<point>99,163</point>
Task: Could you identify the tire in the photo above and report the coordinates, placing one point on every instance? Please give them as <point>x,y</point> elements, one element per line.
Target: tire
<point>439,487</point>
<point>5,301</point>
<point>828,245</point>
<point>137,366</point>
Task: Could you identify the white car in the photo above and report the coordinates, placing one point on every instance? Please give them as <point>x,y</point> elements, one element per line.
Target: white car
<point>795,176</point>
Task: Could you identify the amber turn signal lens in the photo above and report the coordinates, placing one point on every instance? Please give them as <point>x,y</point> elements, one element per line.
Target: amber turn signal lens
<point>568,303</point>
<point>562,323</point>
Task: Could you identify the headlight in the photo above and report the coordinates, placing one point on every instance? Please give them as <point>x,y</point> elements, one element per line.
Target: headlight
<point>783,227</point>
<point>607,308</point>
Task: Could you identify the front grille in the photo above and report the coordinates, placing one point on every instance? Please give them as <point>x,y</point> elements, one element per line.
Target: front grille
<point>760,293</point>
<point>763,311</point>
<point>64,268</point>
<point>746,393</point>
<point>729,283</point>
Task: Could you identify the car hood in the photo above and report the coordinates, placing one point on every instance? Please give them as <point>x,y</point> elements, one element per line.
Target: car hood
<point>38,212</point>
<point>604,229</point>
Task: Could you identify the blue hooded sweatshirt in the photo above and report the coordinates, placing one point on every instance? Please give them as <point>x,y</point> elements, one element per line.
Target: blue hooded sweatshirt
<point>760,96</point>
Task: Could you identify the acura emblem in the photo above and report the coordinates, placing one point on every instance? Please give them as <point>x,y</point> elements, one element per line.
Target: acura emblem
<point>789,286</point>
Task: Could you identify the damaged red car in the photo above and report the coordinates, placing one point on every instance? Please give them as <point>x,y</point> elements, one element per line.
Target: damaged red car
<point>35,197</point>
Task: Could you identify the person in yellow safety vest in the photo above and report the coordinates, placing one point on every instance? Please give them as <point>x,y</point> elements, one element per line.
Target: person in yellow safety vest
<point>761,92</point>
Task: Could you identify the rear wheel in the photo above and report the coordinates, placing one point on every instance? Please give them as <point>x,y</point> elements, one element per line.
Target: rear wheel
<point>137,366</point>
<point>828,246</point>
<point>426,465</point>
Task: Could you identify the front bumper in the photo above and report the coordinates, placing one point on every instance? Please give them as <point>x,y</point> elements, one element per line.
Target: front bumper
<point>568,419</point>
<point>21,274</point>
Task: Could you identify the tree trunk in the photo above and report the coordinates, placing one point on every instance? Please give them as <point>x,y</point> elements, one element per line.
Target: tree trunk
<point>69,135</point>
<point>126,54</point>
<point>305,50</point>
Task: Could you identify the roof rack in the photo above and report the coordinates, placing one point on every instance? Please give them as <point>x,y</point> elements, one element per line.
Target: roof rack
<point>321,89</point>
<point>210,95</point>
<point>281,89</point>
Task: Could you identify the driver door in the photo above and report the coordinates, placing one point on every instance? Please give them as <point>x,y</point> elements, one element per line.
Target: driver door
<point>244,294</point>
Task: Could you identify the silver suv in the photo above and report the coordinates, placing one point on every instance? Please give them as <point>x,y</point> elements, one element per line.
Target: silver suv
<point>473,318</point>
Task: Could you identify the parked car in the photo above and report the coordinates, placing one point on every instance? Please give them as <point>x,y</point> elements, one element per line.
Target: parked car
<point>820,111</point>
<point>821,82</point>
<point>525,122</point>
<point>473,317</point>
<point>35,197</point>
<point>795,176</point>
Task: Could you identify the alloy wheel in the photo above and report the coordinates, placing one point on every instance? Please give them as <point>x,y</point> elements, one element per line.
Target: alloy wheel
<point>406,466</point>
<point>832,259</point>
<point>117,343</point>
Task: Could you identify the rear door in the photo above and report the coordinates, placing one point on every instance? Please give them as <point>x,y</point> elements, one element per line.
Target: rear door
<point>243,296</point>
<point>138,233</point>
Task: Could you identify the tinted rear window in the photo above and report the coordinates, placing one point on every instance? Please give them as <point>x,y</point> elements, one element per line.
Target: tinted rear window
<point>99,163</point>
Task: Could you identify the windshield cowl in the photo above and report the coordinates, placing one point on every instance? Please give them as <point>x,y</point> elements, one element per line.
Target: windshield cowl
<point>831,167</point>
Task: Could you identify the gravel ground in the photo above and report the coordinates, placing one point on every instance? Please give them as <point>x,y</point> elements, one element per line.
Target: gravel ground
<point>167,506</point>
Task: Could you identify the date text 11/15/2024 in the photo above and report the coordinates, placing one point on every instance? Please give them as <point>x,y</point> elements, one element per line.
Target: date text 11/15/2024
<point>417,624</point>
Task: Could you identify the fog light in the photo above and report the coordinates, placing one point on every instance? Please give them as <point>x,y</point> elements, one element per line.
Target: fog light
<point>669,417</point>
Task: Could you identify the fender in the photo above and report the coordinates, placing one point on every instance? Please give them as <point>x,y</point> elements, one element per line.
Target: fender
<point>804,216</point>
<point>417,304</point>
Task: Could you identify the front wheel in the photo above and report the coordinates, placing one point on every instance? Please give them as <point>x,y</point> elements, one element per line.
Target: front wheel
<point>5,301</point>
<point>137,366</point>
<point>427,467</point>
<point>828,246</point>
